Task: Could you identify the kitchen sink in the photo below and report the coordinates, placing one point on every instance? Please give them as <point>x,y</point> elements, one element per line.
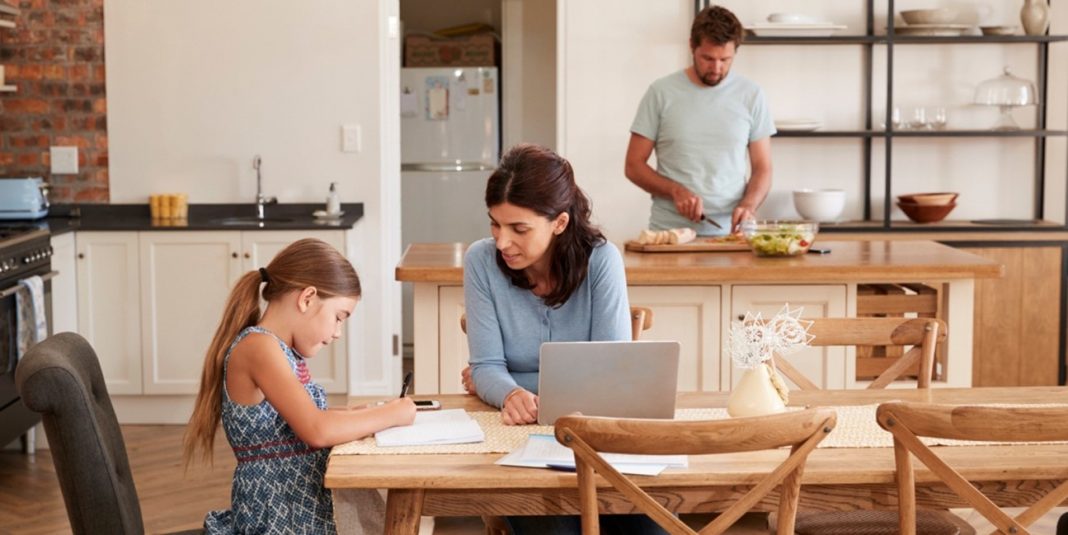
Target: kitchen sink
<point>250,220</point>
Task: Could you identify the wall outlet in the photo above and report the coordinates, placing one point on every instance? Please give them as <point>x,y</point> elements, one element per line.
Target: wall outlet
<point>64,160</point>
<point>350,138</point>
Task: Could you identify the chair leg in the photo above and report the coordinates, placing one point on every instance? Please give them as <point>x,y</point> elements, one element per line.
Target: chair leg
<point>495,525</point>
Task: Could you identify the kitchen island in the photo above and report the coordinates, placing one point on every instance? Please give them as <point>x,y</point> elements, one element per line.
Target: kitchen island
<point>695,296</point>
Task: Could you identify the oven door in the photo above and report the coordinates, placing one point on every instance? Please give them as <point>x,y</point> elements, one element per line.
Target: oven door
<point>15,418</point>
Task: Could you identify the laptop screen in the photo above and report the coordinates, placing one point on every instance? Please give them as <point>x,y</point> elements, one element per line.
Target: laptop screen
<point>618,379</point>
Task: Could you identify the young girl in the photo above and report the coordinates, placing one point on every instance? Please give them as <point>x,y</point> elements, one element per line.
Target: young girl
<point>256,382</point>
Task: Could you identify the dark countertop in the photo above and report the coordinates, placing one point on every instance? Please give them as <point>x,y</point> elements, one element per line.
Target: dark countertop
<point>135,217</point>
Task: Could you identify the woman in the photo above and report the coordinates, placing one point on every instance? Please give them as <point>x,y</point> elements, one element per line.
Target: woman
<point>547,275</point>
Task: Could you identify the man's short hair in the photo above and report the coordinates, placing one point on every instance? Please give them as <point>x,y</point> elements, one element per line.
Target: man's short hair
<point>716,25</point>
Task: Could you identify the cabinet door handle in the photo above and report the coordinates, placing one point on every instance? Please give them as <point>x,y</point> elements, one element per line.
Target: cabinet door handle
<point>81,255</point>
<point>248,255</point>
<point>234,254</point>
<point>741,317</point>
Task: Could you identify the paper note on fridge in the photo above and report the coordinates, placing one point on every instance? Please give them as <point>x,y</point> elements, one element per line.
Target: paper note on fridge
<point>453,426</point>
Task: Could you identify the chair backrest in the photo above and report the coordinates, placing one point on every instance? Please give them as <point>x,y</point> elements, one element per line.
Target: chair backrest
<point>61,379</point>
<point>641,319</point>
<point>587,435</point>
<point>923,334</point>
<point>909,421</point>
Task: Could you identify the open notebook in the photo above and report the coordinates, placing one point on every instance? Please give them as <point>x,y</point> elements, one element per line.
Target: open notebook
<point>453,426</point>
<point>543,451</point>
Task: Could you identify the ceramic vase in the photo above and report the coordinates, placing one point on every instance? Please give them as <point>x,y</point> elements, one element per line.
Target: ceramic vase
<point>1035,17</point>
<point>755,395</point>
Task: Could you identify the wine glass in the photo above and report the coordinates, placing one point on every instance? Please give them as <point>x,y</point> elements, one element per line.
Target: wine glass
<point>938,118</point>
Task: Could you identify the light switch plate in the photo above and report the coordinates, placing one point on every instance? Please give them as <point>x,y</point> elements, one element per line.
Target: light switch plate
<point>350,138</point>
<point>64,160</point>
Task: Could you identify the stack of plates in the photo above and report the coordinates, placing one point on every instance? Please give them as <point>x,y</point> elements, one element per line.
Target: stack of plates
<point>941,30</point>
<point>798,125</point>
<point>814,29</point>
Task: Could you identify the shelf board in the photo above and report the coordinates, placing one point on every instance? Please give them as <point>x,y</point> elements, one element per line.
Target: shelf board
<point>903,39</point>
<point>923,133</point>
<point>971,39</point>
<point>829,133</point>
<point>7,23</point>
<point>7,88</point>
<point>8,9</point>
<point>829,40</point>
<point>949,225</point>
<point>978,133</point>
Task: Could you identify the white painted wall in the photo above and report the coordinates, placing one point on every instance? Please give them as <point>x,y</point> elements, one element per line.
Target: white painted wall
<point>196,88</point>
<point>608,57</point>
<point>529,72</point>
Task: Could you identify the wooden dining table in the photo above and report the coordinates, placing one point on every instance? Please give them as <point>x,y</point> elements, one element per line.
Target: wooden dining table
<point>834,479</point>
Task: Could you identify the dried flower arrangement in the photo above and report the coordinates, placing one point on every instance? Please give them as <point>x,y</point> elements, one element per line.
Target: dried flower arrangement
<point>753,341</point>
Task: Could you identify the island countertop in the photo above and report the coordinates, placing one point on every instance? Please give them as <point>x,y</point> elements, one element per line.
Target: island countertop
<point>848,261</point>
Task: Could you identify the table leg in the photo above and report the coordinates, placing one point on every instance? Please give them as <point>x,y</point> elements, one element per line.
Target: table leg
<point>403,509</point>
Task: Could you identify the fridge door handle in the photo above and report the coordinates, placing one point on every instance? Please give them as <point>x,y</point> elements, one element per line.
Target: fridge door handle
<point>447,167</point>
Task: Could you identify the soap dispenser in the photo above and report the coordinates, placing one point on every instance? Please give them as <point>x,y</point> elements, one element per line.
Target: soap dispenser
<point>333,203</point>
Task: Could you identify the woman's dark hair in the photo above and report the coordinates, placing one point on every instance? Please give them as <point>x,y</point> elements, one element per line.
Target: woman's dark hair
<point>717,25</point>
<point>536,178</point>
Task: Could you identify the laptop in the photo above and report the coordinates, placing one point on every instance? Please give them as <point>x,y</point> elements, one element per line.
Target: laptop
<point>618,379</point>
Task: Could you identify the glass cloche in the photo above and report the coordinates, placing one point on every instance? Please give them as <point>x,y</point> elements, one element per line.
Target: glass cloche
<point>1006,92</point>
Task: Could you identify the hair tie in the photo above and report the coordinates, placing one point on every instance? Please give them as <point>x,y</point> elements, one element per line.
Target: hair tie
<point>263,275</point>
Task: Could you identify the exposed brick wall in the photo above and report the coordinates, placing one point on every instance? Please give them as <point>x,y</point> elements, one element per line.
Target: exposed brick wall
<point>55,56</point>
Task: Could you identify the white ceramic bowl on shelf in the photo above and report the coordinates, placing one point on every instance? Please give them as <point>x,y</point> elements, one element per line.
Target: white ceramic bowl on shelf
<point>819,205</point>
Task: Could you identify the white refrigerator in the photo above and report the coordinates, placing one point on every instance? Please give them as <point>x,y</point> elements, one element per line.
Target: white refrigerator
<point>450,144</point>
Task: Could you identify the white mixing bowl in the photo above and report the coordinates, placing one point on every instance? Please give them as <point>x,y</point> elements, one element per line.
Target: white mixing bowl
<point>819,204</point>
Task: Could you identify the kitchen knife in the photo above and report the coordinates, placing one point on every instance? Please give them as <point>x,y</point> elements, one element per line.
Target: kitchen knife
<point>711,221</point>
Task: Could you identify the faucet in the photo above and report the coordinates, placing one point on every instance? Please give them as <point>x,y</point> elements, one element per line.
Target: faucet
<point>261,199</point>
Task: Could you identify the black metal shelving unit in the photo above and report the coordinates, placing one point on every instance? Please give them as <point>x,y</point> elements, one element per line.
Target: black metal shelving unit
<point>869,41</point>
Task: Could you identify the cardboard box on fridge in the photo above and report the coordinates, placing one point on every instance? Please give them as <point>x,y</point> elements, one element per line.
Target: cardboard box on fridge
<point>479,50</point>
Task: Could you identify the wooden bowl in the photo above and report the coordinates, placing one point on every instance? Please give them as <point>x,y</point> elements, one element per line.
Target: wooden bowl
<point>939,198</point>
<point>926,213</point>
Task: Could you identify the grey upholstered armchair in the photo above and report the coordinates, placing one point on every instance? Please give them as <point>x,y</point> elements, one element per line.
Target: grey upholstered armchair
<point>61,379</point>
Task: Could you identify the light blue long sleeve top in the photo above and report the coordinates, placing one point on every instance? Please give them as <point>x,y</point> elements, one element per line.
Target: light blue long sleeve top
<point>506,325</point>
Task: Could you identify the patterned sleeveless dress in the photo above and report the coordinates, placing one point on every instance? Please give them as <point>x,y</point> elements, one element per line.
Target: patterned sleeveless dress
<point>278,482</point>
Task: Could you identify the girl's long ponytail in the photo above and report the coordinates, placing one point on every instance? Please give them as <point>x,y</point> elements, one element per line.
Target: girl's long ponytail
<point>242,310</point>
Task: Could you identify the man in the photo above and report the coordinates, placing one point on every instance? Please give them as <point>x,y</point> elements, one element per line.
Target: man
<point>703,122</point>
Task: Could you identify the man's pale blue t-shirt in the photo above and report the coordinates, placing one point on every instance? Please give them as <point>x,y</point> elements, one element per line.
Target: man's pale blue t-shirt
<point>702,137</point>
<point>506,325</point>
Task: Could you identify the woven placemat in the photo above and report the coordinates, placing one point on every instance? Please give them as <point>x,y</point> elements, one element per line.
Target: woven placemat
<point>856,428</point>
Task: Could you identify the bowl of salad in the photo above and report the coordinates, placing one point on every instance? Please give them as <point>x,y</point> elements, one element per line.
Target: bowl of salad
<point>779,238</point>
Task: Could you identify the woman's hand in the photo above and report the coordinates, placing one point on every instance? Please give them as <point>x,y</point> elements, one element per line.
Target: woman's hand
<point>468,382</point>
<point>520,407</point>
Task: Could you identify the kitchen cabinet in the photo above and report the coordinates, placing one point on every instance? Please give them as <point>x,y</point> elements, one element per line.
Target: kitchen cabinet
<point>65,284</point>
<point>185,281</point>
<point>109,305</point>
<point>687,314</point>
<point>1018,317</point>
<point>690,315</point>
<point>175,286</point>
<point>828,367</point>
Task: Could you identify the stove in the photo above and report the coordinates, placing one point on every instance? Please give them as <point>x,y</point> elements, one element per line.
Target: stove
<point>25,251</point>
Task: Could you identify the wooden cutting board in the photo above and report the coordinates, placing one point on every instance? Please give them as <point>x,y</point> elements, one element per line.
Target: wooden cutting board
<point>707,244</point>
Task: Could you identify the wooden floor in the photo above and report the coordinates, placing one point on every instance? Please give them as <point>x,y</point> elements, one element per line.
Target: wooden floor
<point>173,500</point>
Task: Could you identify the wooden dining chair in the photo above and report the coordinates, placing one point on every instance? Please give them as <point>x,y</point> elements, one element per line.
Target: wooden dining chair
<point>923,334</point>
<point>909,421</point>
<point>588,436</point>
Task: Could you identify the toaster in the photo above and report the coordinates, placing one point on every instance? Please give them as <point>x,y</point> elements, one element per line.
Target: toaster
<point>23,198</point>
